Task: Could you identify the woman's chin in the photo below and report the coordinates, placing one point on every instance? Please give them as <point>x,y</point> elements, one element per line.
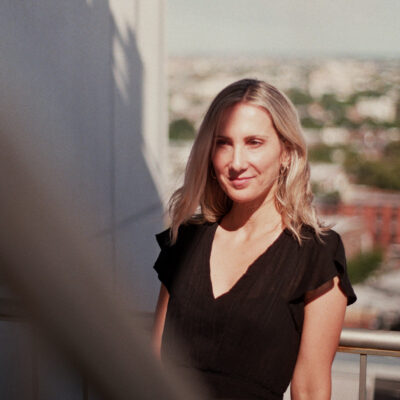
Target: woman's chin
<point>250,199</point>
<point>244,200</point>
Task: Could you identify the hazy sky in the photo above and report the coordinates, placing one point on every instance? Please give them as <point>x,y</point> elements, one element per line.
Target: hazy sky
<point>288,27</point>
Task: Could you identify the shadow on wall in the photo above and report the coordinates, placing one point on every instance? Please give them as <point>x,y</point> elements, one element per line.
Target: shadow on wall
<point>137,204</point>
<point>83,131</point>
<point>60,61</point>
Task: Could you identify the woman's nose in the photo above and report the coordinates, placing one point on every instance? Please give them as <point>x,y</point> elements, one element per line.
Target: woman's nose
<point>238,161</point>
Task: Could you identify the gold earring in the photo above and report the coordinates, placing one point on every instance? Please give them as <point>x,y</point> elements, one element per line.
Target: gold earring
<point>283,169</point>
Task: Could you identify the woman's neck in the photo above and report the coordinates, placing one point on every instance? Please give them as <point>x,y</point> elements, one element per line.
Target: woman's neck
<point>253,218</point>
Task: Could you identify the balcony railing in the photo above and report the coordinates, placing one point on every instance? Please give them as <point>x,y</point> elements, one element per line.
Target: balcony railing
<point>369,342</point>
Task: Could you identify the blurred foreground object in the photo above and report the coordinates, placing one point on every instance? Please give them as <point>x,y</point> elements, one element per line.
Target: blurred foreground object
<point>60,279</point>
<point>80,86</point>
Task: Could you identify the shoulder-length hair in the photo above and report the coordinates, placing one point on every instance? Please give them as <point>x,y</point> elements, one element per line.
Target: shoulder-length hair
<point>201,199</point>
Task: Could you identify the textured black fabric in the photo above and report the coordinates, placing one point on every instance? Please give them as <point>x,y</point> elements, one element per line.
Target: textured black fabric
<point>245,342</point>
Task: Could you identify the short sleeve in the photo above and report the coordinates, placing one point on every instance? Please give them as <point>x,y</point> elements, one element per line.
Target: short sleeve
<point>164,262</point>
<point>323,262</point>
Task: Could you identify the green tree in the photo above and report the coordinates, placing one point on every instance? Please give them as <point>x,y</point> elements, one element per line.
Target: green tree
<point>311,123</point>
<point>181,129</point>
<point>392,150</point>
<point>362,265</point>
<point>353,98</point>
<point>398,111</point>
<point>330,197</point>
<point>330,103</point>
<point>383,173</point>
<point>299,97</point>
<point>320,153</point>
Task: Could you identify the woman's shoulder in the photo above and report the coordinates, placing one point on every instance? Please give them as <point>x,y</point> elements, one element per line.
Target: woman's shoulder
<point>327,237</point>
<point>323,249</point>
<point>322,258</point>
<point>185,232</point>
<point>328,241</point>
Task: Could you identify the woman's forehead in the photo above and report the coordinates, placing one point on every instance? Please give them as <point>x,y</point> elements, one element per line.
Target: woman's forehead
<point>244,112</point>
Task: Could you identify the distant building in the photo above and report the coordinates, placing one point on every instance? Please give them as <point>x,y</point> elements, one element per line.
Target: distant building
<point>330,178</point>
<point>381,108</point>
<point>356,238</point>
<point>335,135</point>
<point>379,209</point>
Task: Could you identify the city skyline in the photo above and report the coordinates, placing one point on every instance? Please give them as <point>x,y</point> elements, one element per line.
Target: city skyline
<point>360,28</point>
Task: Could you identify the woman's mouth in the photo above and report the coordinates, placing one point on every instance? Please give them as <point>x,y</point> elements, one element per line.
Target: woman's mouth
<point>240,182</point>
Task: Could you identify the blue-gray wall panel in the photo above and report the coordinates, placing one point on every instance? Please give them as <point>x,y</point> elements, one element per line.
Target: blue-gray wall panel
<point>16,372</point>
<point>138,210</point>
<point>59,54</point>
<point>136,266</point>
<point>57,70</point>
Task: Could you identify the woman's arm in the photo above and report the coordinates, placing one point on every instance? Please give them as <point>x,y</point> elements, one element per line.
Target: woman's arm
<point>159,320</point>
<point>323,319</point>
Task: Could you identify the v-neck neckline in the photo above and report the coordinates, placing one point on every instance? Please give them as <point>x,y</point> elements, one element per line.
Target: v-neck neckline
<point>246,273</point>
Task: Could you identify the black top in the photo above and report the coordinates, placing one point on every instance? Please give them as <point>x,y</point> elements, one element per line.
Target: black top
<point>245,342</point>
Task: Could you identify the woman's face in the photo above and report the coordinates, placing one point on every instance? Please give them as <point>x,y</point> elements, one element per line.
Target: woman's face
<point>248,154</point>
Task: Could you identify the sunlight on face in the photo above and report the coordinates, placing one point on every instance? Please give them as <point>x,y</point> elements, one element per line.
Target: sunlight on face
<point>248,154</point>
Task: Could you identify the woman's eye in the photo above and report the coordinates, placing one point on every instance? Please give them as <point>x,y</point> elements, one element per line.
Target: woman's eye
<point>221,142</point>
<point>255,142</point>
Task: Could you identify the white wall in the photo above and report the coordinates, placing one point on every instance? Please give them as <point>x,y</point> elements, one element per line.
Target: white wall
<point>91,74</point>
<point>86,80</point>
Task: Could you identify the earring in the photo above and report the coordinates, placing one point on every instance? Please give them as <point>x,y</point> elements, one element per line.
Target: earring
<point>283,170</point>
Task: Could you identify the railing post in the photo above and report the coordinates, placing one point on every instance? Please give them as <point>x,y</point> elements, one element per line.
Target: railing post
<point>362,389</point>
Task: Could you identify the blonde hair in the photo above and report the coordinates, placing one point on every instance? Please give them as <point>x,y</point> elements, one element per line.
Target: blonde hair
<point>201,199</point>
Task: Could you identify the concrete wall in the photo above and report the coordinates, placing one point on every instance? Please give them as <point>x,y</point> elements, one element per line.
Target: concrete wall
<point>92,73</point>
<point>87,79</point>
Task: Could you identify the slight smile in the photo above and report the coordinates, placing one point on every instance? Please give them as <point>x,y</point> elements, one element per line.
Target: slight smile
<point>240,182</point>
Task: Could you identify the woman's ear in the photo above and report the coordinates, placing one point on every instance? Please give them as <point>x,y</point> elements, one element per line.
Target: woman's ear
<point>285,156</point>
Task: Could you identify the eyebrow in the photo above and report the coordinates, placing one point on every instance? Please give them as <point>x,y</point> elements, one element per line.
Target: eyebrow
<point>246,137</point>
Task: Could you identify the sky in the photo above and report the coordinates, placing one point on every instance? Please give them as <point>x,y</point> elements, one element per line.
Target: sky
<point>365,28</point>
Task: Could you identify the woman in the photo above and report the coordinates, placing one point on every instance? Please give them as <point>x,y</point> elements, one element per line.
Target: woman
<point>254,287</point>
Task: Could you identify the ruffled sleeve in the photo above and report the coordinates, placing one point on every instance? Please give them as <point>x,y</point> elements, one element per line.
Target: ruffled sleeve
<point>324,261</point>
<point>164,262</point>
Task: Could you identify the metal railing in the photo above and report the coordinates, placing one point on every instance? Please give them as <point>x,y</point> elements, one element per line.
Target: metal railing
<point>368,342</point>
